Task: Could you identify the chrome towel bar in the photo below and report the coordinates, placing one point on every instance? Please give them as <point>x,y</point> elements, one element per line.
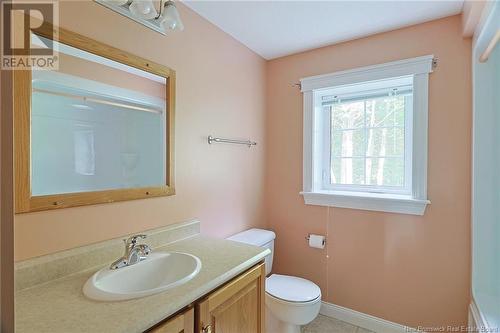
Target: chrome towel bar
<point>248,143</point>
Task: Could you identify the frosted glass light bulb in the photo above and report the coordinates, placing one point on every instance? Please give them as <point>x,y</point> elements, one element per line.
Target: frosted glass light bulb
<point>144,9</point>
<point>171,18</point>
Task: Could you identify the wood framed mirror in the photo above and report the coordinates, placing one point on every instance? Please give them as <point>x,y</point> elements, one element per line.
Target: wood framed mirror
<point>98,129</point>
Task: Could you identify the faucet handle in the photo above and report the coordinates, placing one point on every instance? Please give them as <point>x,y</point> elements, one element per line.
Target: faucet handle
<point>132,240</point>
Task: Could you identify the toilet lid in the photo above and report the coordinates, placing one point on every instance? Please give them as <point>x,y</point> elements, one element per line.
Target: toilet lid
<point>291,288</point>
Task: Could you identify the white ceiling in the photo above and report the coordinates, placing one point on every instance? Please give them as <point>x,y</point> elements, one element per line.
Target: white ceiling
<point>278,28</point>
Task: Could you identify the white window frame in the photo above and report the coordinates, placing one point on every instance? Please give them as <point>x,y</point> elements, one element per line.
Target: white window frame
<point>413,201</point>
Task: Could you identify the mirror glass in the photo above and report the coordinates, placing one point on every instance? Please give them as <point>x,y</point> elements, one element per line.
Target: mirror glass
<point>96,124</point>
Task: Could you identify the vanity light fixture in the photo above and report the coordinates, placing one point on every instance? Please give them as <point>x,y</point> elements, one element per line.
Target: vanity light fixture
<point>145,12</point>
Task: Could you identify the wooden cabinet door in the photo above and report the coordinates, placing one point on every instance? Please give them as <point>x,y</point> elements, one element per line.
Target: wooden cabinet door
<point>181,323</point>
<point>237,307</point>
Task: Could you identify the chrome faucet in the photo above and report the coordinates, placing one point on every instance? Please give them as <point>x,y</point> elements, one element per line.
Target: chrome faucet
<point>134,252</point>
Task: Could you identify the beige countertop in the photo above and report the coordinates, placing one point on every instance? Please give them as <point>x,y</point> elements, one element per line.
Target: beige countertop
<point>60,306</point>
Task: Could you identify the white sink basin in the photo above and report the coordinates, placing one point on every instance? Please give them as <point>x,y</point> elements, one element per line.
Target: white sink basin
<point>159,272</point>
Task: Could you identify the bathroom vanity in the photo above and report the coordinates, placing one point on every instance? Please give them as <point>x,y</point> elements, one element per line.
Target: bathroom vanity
<point>227,295</point>
<point>238,306</point>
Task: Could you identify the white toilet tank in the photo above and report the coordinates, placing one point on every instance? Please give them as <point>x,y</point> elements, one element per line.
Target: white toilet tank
<point>258,237</point>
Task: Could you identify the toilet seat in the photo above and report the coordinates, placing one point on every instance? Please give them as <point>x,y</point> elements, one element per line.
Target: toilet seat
<point>292,289</point>
<point>290,303</point>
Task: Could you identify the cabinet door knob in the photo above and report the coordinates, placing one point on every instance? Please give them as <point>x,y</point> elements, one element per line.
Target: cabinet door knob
<point>207,329</point>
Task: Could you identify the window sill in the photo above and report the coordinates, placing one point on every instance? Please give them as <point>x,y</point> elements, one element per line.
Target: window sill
<point>390,203</point>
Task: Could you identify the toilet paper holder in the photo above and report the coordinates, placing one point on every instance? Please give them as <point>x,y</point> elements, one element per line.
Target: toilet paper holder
<point>309,236</point>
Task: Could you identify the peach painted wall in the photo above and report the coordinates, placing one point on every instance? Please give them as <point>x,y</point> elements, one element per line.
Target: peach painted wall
<point>407,269</point>
<point>220,91</point>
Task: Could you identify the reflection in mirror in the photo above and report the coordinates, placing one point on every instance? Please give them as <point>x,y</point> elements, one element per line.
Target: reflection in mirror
<point>96,124</point>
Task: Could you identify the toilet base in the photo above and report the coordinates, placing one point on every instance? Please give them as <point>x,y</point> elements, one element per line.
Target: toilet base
<point>274,325</point>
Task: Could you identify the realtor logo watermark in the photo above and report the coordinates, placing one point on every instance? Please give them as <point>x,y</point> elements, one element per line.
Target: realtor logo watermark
<point>452,329</point>
<point>23,25</point>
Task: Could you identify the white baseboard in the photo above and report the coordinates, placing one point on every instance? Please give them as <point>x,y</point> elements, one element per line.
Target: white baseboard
<point>363,320</point>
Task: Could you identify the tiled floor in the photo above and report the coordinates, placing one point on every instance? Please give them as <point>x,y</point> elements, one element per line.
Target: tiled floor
<point>324,324</point>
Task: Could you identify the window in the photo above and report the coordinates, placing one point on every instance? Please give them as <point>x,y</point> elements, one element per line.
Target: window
<point>365,137</point>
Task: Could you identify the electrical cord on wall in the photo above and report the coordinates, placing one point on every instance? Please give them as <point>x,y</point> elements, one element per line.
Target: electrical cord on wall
<point>327,252</point>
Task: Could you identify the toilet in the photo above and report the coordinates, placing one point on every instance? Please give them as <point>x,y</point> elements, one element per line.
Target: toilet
<point>290,301</point>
